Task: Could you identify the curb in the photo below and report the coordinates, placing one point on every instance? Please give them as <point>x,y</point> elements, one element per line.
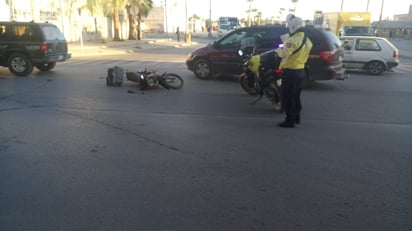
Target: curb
<point>128,46</point>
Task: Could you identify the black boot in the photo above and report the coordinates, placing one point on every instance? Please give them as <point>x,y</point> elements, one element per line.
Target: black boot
<point>286,124</point>
<point>297,119</point>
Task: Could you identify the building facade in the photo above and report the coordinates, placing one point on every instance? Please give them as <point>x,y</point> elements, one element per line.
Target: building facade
<point>398,28</point>
<point>71,16</point>
<point>404,17</point>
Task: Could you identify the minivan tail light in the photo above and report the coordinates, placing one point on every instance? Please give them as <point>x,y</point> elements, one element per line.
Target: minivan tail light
<point>44,48</point>
<point>278,71</point>
<point>327,56</point>
<point>395,54</point>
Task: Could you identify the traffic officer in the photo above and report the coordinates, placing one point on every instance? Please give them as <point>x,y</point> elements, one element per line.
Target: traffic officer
<point>294,54</point>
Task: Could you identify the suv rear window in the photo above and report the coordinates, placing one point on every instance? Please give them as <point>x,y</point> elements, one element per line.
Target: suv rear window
<point>52,33</point>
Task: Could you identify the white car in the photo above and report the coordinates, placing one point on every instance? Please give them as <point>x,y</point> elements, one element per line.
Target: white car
<point>372,54</point>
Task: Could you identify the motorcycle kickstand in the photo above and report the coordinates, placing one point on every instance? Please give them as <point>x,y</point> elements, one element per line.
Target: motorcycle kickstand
<point>258,98</point>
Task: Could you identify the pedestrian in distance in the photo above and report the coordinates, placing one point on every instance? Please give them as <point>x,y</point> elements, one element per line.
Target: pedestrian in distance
<point>178,34</point>
<point>294,54</point>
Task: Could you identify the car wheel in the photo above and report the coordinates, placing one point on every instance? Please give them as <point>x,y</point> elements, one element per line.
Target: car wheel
<point>202,69</point>
<point>19,64</point>
<point>375,68</point>
<point>45,66</point>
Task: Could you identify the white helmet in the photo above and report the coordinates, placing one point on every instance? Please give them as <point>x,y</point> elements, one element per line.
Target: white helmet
<point>293,23</point>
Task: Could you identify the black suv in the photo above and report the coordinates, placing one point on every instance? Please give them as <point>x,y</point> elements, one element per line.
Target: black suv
<point>27,44</point>
<point>221,57</point>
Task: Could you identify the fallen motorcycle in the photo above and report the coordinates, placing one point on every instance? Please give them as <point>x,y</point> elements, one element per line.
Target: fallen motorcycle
<point>149,78</point>
<point>261,75</point>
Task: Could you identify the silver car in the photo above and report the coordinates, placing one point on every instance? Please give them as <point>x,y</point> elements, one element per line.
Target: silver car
<point>372,54</point>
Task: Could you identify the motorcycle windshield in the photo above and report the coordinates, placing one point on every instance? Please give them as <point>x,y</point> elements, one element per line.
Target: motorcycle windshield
<point>247,43</point>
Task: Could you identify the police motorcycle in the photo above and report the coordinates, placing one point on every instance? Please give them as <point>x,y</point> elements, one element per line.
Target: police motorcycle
<point>261,76</point>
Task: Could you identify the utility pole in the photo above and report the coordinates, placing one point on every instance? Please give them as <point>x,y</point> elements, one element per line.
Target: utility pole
<point>32,10</point>
<point>187,34</point>
<point>186,26</point>
<point>249,23</point>
<point>62,16</point>
<point>380,16</point>
<point>167,30</point>
<point>12,15</point>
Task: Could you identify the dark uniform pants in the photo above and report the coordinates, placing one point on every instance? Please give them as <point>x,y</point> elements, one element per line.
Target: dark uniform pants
<point>292,83</point>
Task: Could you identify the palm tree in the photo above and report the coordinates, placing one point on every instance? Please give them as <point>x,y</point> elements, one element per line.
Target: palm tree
<point>259,18</point>
<point>144,7</point>
<point>294,7</point>
<point>249,11</point>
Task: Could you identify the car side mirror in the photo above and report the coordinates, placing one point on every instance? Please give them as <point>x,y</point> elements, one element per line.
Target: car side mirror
<point>216,45</point>
<point>347,47</point>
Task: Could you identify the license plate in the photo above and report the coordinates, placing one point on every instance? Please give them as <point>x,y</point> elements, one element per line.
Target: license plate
<point>60,57</point>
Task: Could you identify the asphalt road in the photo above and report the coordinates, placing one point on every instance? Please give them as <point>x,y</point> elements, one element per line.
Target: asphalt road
<point>78,155</point>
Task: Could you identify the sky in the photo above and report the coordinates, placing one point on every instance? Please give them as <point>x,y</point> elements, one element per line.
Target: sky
<point>304,8</point>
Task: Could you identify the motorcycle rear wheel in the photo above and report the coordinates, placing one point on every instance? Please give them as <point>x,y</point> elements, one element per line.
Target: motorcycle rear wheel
<point>246,85</point>
<point>171,80</point>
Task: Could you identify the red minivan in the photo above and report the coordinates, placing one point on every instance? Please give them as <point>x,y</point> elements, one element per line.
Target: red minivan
<point>221,58</point>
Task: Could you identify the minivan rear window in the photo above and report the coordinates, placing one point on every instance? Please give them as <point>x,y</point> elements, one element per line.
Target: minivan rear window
<point>52,33</point>
<point>319,37</point>
<point>335,41</point>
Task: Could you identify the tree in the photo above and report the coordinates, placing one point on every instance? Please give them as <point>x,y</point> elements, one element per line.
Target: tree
<point>144,7</point>
<point>98,8</point>
<point>116,20</point>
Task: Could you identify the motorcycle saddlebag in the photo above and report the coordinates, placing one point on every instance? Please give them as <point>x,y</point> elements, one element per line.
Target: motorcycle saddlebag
<point>114,76</point>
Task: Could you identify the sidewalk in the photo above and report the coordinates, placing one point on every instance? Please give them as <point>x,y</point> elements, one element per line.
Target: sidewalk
<point>129,46</point>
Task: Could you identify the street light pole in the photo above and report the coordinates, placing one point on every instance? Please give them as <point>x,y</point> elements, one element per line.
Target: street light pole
<point>341,6</point>
<point>210,19</point>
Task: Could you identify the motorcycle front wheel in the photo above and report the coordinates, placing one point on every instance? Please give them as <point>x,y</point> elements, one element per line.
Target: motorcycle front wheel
<point>248,86</point>
<point>276,97</point>
<point>277,105</point>
<point>171,80</point>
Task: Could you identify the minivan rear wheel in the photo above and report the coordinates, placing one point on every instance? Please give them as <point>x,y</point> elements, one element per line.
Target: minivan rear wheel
<point>45,66</point>
<point>202,69</point>
<point>19,64</point>
<point>375,68</point>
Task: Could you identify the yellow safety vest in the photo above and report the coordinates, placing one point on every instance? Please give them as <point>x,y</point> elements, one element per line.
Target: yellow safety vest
<point>297,60</point>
